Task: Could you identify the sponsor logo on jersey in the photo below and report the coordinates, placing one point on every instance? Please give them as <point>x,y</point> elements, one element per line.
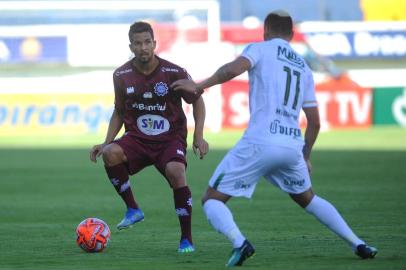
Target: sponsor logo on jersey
<point>293,182</point>
<point>161,89</point>
<point>130,90</point>
<point>277,128</point>
<point>147,95</point>
<point>287,55</point>
<point>285,113</point>
<point>180,152</point>
<point>120,72</point>
<point>167,69</point>
<point>150,124</point>
<point>145,107</point>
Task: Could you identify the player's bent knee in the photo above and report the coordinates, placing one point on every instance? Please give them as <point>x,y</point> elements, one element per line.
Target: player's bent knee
<point>303,199</point>
<point>211,193</point>
<point>113,155</point>
<point>176,175</point>
<point>205,198</point>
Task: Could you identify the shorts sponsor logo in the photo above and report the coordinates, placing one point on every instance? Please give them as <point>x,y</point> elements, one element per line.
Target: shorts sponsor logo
<point>167,69</point>
<point>180,152</point>
<point>293,182</point>
<point>277,128</point>
<point>130,90</point>
<point>190,201</point>
<point>150,124</point>
<point>240,184</point>
<point>145,107</point>
<point>161,89</point>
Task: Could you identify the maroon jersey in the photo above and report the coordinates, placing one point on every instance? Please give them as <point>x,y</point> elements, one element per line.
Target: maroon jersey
<point>152,110</point>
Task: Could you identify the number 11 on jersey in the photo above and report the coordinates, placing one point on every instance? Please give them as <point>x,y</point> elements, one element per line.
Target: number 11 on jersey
<point>289,73</point>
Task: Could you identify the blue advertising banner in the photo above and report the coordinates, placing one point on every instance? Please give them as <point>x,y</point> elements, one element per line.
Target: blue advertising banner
<point>359,44</point>
<point>33,50</point>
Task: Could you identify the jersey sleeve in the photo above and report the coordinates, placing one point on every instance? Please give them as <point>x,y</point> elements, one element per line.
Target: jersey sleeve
<point>119,98</point>
<point>309,98</point>
<point>252,53</point>
<point>187,96</point>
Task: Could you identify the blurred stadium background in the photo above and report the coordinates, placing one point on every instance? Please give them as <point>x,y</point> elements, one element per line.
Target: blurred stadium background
<point>57,59</point>
<point>56,95</point>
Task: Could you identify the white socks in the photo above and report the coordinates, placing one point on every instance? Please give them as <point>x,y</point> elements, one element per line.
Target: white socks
<point>221,219</point>
<point>327,214</point>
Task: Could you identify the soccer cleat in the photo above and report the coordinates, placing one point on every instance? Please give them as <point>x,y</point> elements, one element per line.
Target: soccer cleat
<point>239,255</point>
<point>131,216</point>
<point>185,246</point>
<point>365,252</point>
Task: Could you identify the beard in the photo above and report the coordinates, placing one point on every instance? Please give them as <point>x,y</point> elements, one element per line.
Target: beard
<point>145,58</point>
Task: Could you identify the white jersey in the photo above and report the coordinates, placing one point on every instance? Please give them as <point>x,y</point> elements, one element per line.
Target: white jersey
<point>281,84</point>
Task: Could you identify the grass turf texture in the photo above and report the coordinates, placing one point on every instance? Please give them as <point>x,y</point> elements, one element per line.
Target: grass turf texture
<point>45,193</point>
<point>377,138</point>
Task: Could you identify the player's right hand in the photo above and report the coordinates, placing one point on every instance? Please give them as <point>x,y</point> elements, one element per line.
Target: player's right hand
<point>96,151</point>
<point>200,147</point>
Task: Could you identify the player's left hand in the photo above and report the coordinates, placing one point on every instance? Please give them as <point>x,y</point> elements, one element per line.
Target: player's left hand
<point>185,85</point>
<point>200,147</point>
<point>96,151</point>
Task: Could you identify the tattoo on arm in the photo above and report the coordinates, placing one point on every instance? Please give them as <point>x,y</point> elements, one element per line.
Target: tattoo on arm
<point>223,74</point>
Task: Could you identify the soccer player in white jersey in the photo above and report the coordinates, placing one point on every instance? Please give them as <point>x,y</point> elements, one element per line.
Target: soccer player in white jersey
<point>281,84</point>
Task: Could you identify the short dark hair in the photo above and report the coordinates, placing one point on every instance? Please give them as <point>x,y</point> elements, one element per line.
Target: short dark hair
<point>279,22</point>
<point>140,27</point>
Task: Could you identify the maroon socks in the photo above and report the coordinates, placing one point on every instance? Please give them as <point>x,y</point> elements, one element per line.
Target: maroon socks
<point>118,176</point>
<point>183,206</point>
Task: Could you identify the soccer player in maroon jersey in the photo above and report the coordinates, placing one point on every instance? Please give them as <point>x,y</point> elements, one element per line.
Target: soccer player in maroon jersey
<point>155,129</point>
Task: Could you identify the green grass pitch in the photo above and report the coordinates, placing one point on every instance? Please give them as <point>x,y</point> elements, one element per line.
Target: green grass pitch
<point>46,192</point>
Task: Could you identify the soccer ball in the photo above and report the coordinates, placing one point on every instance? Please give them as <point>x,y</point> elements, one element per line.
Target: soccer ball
<point>93,235</point>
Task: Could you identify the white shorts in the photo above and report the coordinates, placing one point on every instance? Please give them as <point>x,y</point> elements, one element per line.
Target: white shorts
<point>243,166</point>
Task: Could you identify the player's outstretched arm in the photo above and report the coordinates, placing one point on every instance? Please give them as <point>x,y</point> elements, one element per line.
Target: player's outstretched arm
<point>200,146</point>
<point>312,131</point>
<point>222,75</point>
<point>116,122</point>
